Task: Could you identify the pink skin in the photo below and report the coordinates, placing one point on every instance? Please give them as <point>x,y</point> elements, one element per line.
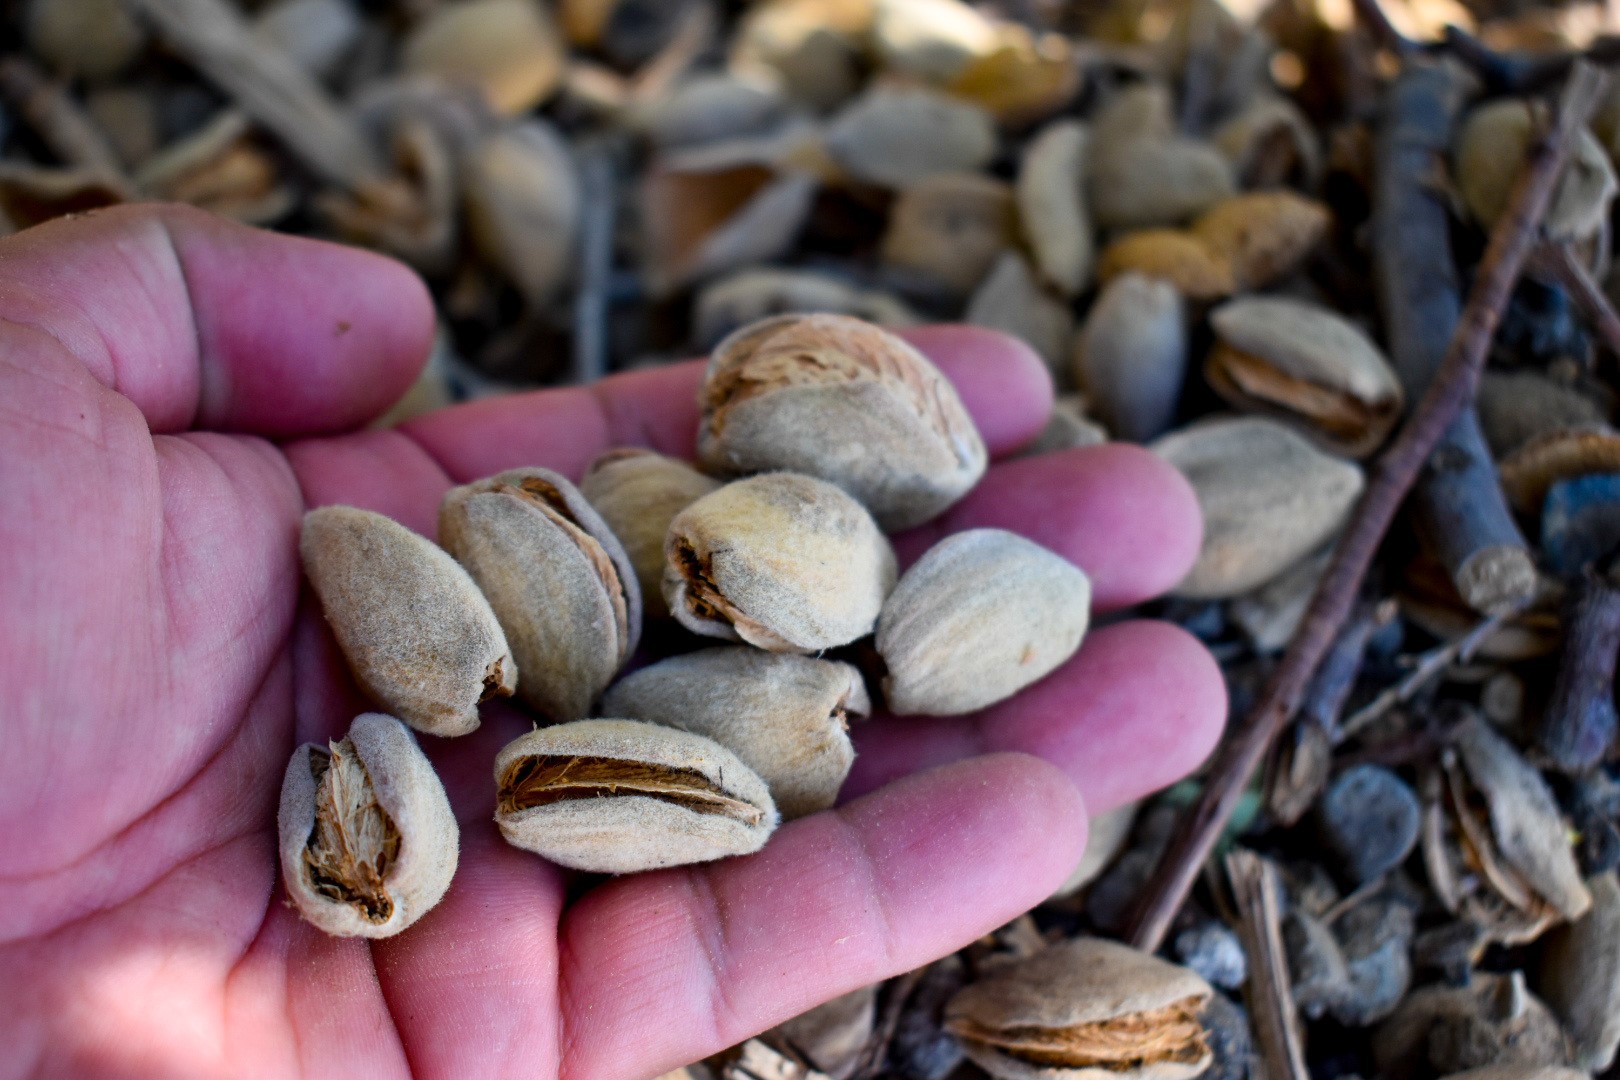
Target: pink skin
<point>174,391</point>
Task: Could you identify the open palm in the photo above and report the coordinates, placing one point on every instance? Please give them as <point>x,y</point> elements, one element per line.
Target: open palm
<point>174,392</point>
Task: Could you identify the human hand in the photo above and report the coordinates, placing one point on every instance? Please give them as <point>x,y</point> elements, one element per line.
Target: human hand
<point>174,392</point>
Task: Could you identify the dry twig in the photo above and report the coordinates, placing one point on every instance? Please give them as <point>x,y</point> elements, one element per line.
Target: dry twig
<point>1561,262</point>
<point>1270,995</point>
<point>1396,471</point>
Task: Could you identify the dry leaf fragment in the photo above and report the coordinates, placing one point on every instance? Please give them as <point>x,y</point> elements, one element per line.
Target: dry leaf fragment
<point>1084,1009</point>
<point>834,1035</point>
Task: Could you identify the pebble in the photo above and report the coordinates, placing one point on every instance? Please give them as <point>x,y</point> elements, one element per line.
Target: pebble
<point>1214,952</point>
<point>1369,820</point>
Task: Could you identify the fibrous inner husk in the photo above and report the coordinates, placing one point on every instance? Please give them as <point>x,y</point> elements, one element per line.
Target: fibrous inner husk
<point>541,781</point>
<point>1170,1034</point>
<point>354,844</point>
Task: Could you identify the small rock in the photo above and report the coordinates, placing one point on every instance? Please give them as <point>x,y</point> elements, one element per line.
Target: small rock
<point>1369,819</point>
<point>1214,952</point>
<point>1226,1028</point>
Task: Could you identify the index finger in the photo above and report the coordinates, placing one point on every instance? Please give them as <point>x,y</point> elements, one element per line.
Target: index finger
<point>1002,382</point>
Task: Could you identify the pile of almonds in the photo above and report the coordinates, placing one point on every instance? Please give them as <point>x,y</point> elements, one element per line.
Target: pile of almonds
<point>821,432</point>
<point>1236,233</point>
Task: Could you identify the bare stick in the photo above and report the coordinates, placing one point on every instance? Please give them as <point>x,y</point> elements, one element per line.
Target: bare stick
<point>1430,664</point>
<point>1270,995</point>
<point>597,177</point>
<point>1563,264</point>
<point>1579,724</point>
<point>1376,20</point>
<point>1396,471</point>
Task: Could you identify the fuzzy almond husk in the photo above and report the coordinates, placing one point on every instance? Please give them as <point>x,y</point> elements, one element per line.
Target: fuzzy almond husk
<point>1068,428</point>
<point>950,228</point>
<point>561,585</point>
<point>368,841</point>
<point>762,291</point>
<point>1263,236</point>
<point>1495,847</point>
<point>893,136</point>
<point>980,616</point>
<point>1156,182</point>
<point>1268,496</point>
<point>834,1034</point>
<point>1580,975</point>
<point>1305,363</point>
<point>1486,158</point>
<point>509,49</point>
<point>1052,209</point>
<point>840,399</point>
<point>787,717</point>
<point>1493,1021</point>
<point>420,638</point>
<point>781,561</point>
<point>1518,406</point>
<point>1011,300</point>
<point>638,493</point>
<point>523,201</point>
<point>1170,255</point>
<point>1529,831</point>
<point>1131,357</point>
<point>1106,835</point>
<point>1542,461</point>
<point>1086,1009</point>
<point>621,796</point>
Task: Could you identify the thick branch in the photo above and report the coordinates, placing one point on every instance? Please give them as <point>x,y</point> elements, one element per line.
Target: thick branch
<point>1450,392</point>
<point>1458,506</point>
<point>1579,724</point>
